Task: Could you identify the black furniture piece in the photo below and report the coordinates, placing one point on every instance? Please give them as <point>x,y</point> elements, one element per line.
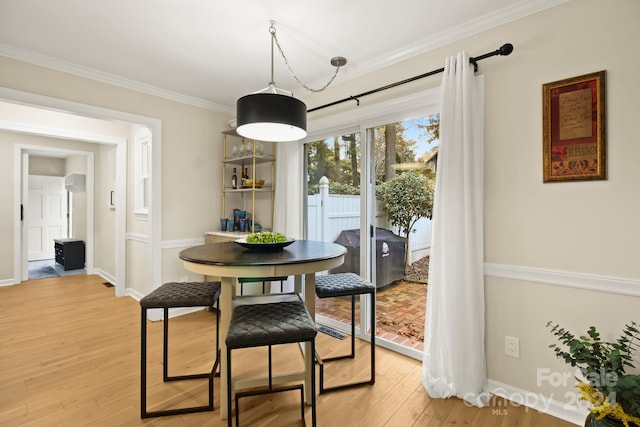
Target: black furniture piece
<point>341,285</point>
<point>259,325</point>
<point>390,253</point>
<point>69,253</point>
<point>264,280</point>
<point>172,295</point>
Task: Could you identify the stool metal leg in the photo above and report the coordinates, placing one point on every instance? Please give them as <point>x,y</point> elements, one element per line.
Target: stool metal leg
<point>165,344</point>
<point>270,390</point>
<point>372,379</point>
<point>321,361</point>
<point>143,374</point>
<point>229,387</point>
<point>143,365</point>
<point>313,386</point>
<point>353,326</point>
<point>165,355</point>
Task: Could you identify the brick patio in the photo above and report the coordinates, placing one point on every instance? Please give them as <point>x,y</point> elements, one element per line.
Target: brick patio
<point>400,312</point>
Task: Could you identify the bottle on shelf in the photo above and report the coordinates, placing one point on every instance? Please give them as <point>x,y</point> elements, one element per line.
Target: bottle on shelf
<point>245,177</point>
<point>234,179</point>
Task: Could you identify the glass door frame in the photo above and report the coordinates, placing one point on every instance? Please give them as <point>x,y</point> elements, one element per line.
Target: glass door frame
<point>422,103</point>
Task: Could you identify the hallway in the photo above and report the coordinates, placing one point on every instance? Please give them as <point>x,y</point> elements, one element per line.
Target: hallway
<point>48,268</point>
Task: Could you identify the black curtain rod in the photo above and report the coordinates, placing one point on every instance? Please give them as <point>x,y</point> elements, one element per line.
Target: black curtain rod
<point>504,50</point>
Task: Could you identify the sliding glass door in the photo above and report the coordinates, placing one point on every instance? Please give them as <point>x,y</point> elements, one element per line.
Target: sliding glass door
<point>349,200</point>
<point>404,157</point>
<point>333,207</point>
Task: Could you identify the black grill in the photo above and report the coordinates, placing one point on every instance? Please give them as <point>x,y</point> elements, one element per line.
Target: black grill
<point>390,251</point>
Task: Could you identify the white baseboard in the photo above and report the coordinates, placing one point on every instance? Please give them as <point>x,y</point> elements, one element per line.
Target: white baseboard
<point>133,294</point>
<point>565,411</point>
<point>106,276</point>
<point>7,282</point>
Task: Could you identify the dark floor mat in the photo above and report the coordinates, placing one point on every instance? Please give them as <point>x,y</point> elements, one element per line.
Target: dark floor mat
<point>43,272</point>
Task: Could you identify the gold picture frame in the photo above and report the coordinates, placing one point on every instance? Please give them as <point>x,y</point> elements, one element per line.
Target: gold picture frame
<point>573,120</point>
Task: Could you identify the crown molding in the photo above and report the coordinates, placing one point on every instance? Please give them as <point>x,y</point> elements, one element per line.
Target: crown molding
<point>93,74</point>
<point>482,23</point>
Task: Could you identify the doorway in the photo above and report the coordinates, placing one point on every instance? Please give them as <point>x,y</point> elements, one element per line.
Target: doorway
<point>48,104</point>
<point>345,173</point>
<point>49,211</point>
<point>47,217</point>
<point>46,117</point>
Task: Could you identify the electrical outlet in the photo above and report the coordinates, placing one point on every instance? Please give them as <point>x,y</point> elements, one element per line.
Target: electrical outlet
<point>512,347</point>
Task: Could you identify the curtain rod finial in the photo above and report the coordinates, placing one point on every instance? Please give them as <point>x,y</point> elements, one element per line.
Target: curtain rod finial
<point>506,49</point>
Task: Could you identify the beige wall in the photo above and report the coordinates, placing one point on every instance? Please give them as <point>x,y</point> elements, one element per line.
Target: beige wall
<point>46,166</point>
<point>580,232</point>
<point>588,228</point>
<point>138,274</point>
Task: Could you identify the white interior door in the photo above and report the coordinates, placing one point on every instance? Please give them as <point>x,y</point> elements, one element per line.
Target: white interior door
<point>46,215</point>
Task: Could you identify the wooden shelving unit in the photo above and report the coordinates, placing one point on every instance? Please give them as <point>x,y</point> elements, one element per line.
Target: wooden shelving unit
<point>259,158</point>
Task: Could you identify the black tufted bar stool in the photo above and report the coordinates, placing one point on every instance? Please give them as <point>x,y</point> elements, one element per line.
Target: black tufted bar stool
<point>173,295</point>
<point>340,285</point>
<point>258,325</point>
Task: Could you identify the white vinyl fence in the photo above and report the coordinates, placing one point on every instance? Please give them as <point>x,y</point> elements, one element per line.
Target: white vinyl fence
<point>329,214</point>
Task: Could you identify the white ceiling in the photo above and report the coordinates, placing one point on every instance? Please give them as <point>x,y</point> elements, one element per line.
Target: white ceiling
<point>210,52</point>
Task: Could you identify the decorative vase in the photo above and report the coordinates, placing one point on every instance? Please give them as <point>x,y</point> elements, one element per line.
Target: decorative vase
<point>592,421</point>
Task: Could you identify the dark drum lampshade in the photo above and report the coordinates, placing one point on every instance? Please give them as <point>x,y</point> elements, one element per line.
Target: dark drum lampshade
<point>271,117</point>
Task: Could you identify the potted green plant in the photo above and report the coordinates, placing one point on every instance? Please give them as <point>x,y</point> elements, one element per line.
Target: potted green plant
<point>613,393</point>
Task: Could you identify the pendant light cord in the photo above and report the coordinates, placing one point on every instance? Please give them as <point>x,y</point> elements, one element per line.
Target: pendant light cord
<point>335,61</point>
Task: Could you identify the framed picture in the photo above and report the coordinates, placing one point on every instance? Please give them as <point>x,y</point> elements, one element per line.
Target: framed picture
<point>573,123</point>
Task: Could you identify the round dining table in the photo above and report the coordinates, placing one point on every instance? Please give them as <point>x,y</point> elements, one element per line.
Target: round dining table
<point>301,259</point>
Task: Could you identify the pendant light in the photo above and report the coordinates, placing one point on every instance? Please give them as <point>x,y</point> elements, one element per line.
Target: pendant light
<point>273,114</point>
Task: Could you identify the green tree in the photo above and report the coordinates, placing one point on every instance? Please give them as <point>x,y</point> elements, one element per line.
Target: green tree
<point>430,130</point>
<point>320,163</point>
<point>352,141</point>
<point>405,199</point>
<point>336,158</point>
<point>391,148</point>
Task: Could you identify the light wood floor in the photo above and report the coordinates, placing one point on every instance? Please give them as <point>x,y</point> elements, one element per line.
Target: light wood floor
<point>70,356</point>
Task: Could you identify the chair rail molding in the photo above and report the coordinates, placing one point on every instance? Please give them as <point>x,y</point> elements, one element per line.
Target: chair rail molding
<point>591,282</point>
<point>182,243</point>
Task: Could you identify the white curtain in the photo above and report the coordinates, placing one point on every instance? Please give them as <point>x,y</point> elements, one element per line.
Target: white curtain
<point>454,361</point>
<point>287,216</point>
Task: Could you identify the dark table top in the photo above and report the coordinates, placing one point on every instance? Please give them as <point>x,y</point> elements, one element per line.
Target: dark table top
<point>232,254</point>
